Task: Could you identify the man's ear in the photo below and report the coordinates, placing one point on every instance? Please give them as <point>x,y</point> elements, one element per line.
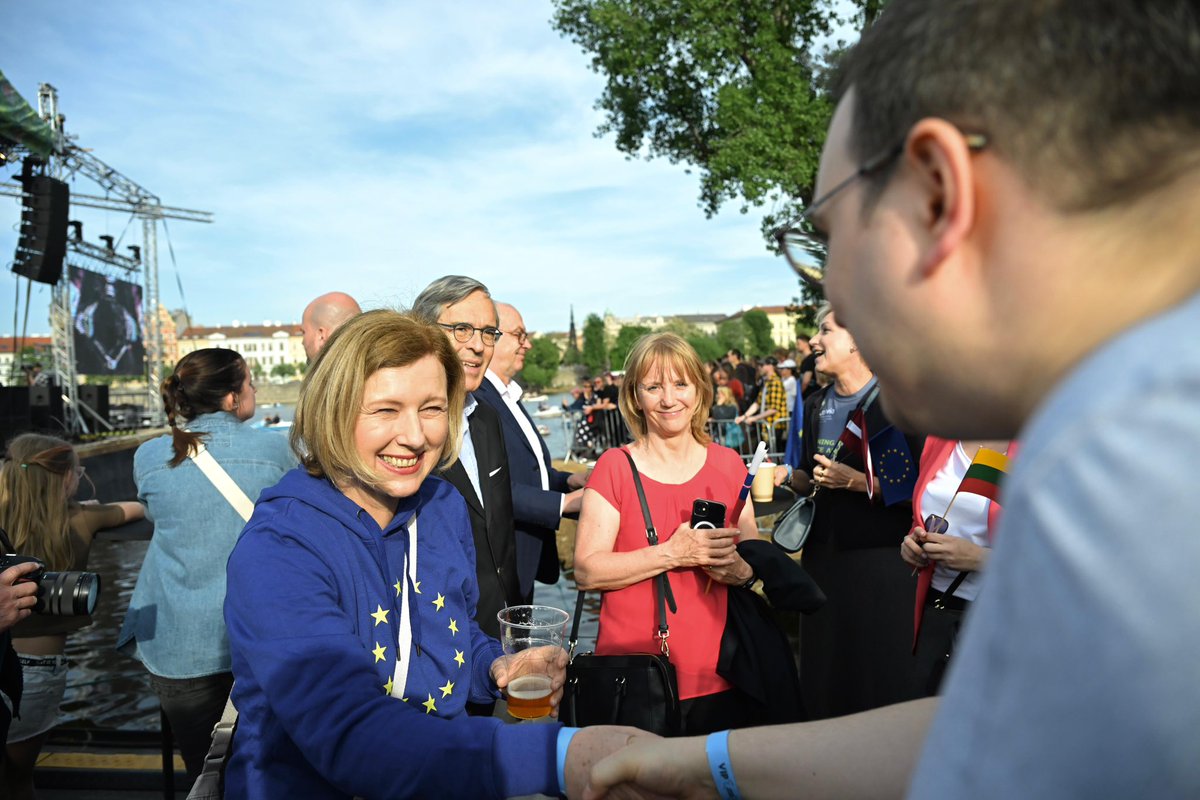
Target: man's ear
<point>940,159</point>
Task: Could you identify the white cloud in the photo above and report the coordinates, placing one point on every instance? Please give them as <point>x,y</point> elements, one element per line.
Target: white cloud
<point>374,148</point>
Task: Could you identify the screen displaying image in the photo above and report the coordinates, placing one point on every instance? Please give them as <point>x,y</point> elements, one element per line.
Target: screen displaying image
<point>106,319</point>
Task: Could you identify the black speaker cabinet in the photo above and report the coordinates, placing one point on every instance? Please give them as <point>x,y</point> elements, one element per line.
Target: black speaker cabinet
<point>94,396</point>
<point>43,241</point>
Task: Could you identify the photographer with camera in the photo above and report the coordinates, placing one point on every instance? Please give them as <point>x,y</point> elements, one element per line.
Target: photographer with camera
<point>47,530</point>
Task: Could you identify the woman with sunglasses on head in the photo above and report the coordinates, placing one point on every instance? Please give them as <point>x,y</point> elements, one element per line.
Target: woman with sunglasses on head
<point>174,625</point>
<point>38,483</point>
<point>854,654</point>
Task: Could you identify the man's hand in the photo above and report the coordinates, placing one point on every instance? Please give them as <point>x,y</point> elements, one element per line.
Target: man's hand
<point>595,742</point>
<point>665,767</point>
<point>578,480</point>
<point>17,597</point>
<point>572,502</point>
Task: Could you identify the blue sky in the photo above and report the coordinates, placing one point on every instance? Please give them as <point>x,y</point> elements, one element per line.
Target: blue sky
<point>372,147</point>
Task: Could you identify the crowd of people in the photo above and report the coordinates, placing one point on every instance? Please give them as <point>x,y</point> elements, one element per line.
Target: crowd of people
<point>989,166</point>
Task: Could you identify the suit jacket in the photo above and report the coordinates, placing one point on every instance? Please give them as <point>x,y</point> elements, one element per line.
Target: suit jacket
<point>491,521</point>
<point>535,510</point>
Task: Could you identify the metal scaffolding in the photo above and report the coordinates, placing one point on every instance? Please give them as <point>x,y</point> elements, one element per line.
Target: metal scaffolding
<point>120,194</point>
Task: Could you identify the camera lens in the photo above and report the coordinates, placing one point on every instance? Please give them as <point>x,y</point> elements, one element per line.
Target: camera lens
<point>68,593</point>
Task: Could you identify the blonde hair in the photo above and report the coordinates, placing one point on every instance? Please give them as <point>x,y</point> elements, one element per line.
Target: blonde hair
<point>331,396</point>
<point>725,396</point>
<point>663,352</point>
<point>34,508</point>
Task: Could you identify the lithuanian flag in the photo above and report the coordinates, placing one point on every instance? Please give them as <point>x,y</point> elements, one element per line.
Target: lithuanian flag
<point>985,473</point>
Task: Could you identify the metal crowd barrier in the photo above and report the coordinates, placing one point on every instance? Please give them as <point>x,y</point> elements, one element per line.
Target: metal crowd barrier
<point>588,438</point>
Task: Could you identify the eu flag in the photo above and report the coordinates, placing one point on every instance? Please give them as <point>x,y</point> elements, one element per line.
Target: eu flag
<point>894,465</point>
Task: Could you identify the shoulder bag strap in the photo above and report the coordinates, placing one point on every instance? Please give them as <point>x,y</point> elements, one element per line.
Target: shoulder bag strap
<point>664,595</point>
<point>663,592</point>
<point>219,478</point>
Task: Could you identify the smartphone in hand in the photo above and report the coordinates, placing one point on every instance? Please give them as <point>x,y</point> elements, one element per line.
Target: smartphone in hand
<point>708,514</point>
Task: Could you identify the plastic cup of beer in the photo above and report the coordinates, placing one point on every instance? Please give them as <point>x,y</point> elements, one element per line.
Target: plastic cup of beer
<point>532,639</point>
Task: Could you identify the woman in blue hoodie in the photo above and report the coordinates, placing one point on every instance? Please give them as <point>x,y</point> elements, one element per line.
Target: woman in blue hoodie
<point>352,591</point>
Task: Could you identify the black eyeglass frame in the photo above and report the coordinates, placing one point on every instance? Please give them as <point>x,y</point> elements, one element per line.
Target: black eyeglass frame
<point>458,328</point>
<point>975,142</point>
<point>522,337</point>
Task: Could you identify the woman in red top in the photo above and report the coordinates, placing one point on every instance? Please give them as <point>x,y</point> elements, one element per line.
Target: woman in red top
<point>665,400</point>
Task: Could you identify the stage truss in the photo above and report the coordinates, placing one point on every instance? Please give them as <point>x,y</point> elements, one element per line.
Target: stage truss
<point>120,194</point>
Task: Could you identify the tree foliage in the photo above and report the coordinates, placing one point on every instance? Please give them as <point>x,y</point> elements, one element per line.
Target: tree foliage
<point>731,89</point>
<point>736,90</point>
<point>595,348</point>
<point>541,364</point>
<point>731,335</point>
<point>626,337</point>
<point>758,332</point>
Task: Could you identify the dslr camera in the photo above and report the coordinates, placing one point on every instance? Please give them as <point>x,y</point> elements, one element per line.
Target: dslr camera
<point>63,594</point>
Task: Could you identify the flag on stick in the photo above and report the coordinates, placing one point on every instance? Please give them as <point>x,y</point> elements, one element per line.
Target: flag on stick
<point>983,477</point>
<point>855,440</point>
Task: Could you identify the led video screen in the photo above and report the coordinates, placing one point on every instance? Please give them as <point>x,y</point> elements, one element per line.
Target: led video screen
<point>106,320</point>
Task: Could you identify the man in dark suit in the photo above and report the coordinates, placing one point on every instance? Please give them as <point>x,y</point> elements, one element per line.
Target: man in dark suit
<point>463,308</point>
<point>541,494</point>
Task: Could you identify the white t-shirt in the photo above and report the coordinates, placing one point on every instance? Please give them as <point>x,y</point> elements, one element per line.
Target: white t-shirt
<point>968,518</point>
<point>1078,671</point>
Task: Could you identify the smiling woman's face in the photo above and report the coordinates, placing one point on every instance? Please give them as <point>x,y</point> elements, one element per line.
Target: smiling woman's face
<point>833,345</point>
<point>402,427</point>
<point>667,399</point>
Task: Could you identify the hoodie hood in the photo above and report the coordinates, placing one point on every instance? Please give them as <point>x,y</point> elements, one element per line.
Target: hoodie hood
<point>320,496</point>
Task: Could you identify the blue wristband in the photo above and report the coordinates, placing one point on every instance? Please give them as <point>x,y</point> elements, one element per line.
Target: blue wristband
<point>716,746</point>
<point>564,742</point>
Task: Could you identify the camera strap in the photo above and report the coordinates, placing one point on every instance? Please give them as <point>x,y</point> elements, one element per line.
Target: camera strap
<point>224,484</point>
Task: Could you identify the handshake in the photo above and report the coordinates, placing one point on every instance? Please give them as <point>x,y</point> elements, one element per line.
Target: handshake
<point>606,761</point>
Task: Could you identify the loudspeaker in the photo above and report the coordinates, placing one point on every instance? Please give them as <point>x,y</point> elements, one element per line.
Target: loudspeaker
<point>95,396</point>
<point>39,395</point>
<point>14,412</point>
<point>45,205</point>
<point>46,408</point>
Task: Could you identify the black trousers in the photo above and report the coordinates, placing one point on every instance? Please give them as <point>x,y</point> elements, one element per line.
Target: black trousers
<point>193,706</point>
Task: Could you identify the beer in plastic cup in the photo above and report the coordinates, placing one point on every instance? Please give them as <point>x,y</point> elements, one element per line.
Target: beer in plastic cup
<point>532,638</point>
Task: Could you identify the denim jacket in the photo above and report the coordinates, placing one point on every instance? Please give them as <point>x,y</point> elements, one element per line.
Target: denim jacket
<point>174,624</point>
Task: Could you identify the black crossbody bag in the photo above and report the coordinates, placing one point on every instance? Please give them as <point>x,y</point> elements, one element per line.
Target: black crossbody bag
<point>638,689</point>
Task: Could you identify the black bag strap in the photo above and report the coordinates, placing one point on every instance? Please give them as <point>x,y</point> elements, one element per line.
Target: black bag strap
<point>663,593</point>
<point>864,405</point>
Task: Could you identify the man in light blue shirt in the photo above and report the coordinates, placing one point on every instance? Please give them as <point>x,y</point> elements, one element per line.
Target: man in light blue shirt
<point>1009,195</point>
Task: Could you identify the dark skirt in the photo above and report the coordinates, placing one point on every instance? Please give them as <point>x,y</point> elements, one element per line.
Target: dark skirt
<point>856,652</point>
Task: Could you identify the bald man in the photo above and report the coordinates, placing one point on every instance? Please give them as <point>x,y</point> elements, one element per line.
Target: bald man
<point>322,317</point>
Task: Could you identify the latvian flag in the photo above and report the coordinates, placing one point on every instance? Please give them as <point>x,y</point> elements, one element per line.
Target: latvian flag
<point>854,439</point>
<point>985,473</point>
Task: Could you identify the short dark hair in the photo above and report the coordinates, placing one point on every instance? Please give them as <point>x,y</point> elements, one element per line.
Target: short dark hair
<point>1094,105</point>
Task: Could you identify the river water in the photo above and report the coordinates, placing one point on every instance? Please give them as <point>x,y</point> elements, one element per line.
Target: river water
<point>110,690</point>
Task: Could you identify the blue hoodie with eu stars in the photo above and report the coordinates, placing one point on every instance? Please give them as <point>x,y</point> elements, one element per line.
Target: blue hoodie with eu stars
<point>313,611</point>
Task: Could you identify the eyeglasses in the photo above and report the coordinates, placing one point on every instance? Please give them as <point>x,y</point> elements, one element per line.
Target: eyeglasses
<point>522,336</point>
<point>805,247</point>
<point>79,471</point>
<point>463,331</point>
